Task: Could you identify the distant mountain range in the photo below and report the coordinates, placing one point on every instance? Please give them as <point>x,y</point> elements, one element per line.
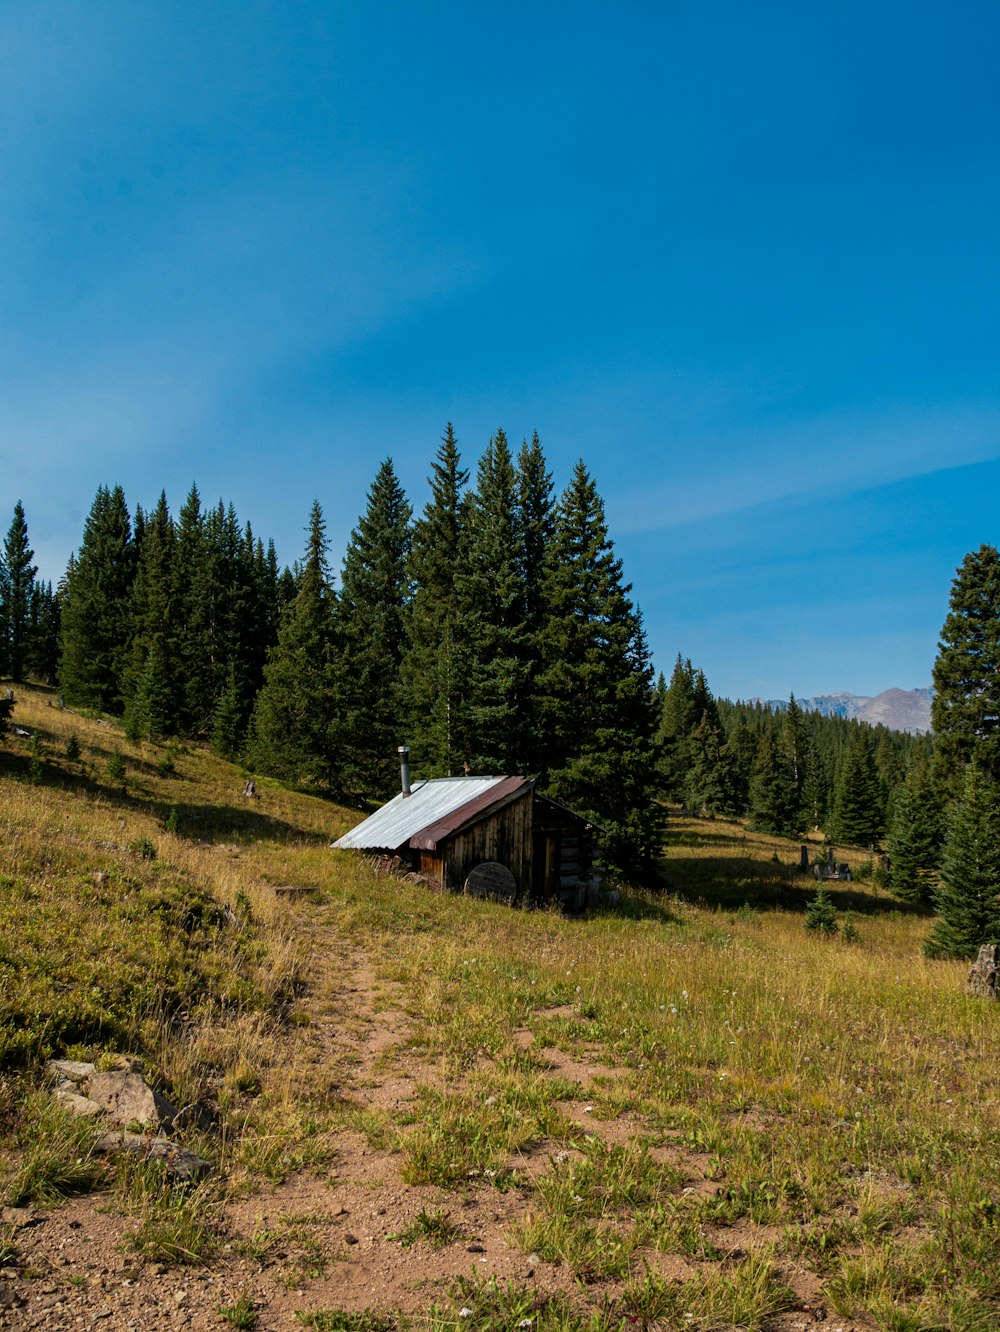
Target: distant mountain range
<point>899,709</point>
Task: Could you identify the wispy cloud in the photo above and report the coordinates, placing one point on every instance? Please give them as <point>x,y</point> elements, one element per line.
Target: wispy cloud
<point>825,458</point>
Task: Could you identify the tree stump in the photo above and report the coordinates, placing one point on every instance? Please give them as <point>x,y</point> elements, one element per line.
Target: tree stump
<point>250,790</point>
<point>984,977</point>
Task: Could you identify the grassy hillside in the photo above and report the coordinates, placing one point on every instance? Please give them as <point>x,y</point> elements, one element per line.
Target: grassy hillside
<point>685,1112</point>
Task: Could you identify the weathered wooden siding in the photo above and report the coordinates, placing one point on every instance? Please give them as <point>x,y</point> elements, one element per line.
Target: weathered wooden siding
<point>432,865</point>
<point>504,836</point>
<point>563,854</point>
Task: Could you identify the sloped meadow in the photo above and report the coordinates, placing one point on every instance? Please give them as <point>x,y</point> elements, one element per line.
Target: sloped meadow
<point>685,1111</point>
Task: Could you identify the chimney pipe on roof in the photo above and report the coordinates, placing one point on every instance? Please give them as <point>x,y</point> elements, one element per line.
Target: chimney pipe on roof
<point>404,768</point>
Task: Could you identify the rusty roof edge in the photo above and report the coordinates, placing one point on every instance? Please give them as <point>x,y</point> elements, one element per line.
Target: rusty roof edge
<point>503,793</point>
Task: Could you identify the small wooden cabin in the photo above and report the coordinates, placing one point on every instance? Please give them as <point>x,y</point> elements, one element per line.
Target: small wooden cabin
<point>491,836</point>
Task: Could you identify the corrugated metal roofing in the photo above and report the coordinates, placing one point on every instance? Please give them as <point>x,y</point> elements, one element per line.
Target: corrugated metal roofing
<point>395,823</point>
<point>506,790</point>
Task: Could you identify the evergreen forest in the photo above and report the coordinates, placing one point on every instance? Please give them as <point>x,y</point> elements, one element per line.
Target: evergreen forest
<point>494,632</point>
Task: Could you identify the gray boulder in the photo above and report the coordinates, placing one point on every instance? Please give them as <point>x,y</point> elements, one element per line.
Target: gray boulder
<point>127,1098</point>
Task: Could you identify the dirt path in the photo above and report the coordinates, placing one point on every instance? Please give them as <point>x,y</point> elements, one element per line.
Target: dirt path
<point>348,1235</point>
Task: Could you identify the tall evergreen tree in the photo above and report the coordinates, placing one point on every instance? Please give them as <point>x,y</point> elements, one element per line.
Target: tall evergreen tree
<point>96,606</point>
<point>794,738</point>
<point>435,672</point>
<point>914,837</point>
<point>155,624</point>
<point>679,716</point>
<point>493,610</point>
<point>774,801</point>
<point>968,895</point>
<point>536,518</point>
<point>742,744</point>
<point>965,710</point>
<point>42,651</point>
<point>596,687</point>
<point>229,724</point>
<point>292,718</point>
<point>813,793</point>
<point>710,784</point>
<point>193,658</point>
<point>857,817</point>
<point>374,592</point>
<point>17,587</point>
<point>148,711</point>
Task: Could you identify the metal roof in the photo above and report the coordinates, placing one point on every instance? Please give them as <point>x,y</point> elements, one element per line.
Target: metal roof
<point>403,817</point>
<point>505,791</point>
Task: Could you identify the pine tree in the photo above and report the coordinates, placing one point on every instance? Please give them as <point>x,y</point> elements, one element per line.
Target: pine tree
<point>96,607</point>
<point>813,797</point>
<point>42,649</point>
<point>774,802</point>
<point>965,710</point>
<point>968,895</point>
<point>436,668</point>
<point>293,714</point>
<point>536,517</point>
<point>742,744</point>
<point>374,592</point>
<point>857,817</point>
<point>192,658</point>
<point>795,740</point>
<point>228,726</point>
<point>17,586</point>
<point>821,913</point>
<point>914,837</point>
<point>679,715</point>
<point>492,599</point>
<point>710,785</point>
<point>148,710</point>
<point>155,626</point>
<point>596,687</point>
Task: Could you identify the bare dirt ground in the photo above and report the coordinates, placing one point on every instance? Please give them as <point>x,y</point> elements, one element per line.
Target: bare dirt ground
<point>331,1240</point>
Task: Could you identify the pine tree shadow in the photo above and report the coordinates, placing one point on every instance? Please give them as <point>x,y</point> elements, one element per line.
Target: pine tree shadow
<point>723,867</point>
<point>229,823</point>
<point>194,822</point>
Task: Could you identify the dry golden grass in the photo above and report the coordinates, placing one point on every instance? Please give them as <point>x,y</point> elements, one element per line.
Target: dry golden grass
<point>840,1099</point>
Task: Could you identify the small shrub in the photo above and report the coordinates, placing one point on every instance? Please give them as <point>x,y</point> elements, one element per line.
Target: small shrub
<point>143,848</point>
<point>821,914</point>
<point>172,822</point>
<point>850,932</point>
<point>116,768</point>
<point>73,748</point>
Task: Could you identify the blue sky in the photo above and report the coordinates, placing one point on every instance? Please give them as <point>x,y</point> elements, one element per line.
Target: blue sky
<point>741,258</point>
